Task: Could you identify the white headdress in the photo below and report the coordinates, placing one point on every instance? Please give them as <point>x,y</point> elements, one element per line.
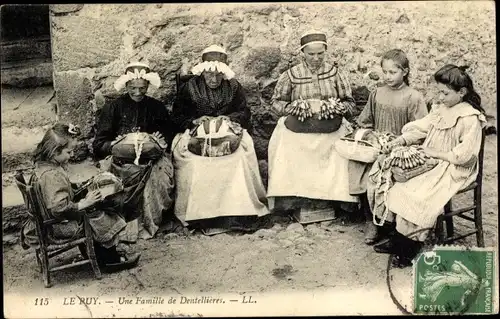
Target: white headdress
<point>140,71</point>
<point>214,58</point>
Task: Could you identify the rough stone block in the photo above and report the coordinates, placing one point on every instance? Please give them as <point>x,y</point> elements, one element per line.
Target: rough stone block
<point>261,61</point>
<point>234,40</point>
<point>74,92</point>
<point>80,42</point>
<point>28,74</point>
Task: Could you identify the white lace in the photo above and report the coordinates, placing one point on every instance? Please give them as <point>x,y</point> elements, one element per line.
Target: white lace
<point>152,77</point>
<point>214,66</point>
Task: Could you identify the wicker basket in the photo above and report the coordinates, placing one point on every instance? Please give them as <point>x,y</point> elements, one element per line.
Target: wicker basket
<point>403,175</point>
<point>356,149</point>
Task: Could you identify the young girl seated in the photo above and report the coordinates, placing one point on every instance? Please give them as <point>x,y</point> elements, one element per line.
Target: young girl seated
<point>452,135</point>
<point>51,158</point>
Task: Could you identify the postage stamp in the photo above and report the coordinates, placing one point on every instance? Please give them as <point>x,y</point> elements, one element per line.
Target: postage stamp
<point>455,280</point>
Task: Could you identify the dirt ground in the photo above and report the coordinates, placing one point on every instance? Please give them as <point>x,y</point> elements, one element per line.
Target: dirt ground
<point>328,256</point>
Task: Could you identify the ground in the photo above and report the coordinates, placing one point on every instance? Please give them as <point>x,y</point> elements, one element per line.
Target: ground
<point>286,257</point>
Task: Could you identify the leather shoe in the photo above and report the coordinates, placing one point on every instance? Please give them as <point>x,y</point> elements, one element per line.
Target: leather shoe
<point>371,233</point>
<point>385,247</point>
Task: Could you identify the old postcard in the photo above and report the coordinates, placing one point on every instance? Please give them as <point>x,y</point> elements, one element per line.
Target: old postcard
<point>249,159</point>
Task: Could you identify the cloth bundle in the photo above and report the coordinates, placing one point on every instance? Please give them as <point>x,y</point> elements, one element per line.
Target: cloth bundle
<point>106,183</point>
<point>215,137</point>
<point>136,146</point>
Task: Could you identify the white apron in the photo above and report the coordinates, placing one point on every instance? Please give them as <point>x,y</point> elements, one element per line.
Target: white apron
<point>307,165</point>
<point>208,187</point>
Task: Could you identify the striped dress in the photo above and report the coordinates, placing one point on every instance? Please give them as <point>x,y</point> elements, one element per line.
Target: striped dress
<point>299,82</point>
<point>387,110</point>
<point>416,204</point>
<point>306,165</point>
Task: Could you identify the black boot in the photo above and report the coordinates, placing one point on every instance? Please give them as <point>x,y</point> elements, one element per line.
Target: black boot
<point>387,245</point>
<point>406,250</point>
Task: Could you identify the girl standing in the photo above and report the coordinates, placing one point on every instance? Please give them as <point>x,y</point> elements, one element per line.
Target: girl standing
<point>388,109</point>
<point>452,134</point>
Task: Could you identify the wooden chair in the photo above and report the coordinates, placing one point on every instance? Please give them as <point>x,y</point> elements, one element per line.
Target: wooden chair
<point>50,247</point>
<point>180,80</point>
<point>449,237</point>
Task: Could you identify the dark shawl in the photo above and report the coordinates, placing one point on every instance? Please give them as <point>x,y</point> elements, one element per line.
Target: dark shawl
<point>196,99</point>
<point>122,115</point>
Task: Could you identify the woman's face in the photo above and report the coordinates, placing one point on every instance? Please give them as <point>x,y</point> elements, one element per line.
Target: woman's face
<point>314,54</point>
<point>137,89</point>
<point>393,74</point>
<point>449,97</point>
<point>213,79</point>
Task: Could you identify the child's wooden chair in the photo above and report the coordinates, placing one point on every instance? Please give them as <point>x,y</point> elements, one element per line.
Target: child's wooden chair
<point>50,247</point>
<point>477,218</point>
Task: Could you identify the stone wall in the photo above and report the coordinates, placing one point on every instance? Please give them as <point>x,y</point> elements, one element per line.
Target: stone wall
<point>92,43</point>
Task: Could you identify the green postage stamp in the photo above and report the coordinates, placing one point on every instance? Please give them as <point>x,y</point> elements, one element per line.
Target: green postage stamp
<point>455,280</point>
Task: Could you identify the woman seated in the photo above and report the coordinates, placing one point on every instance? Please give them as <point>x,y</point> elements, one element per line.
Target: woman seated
<point>59,194</point>
<point>228,184</point>
<point>148,179</point>
<point>305,170</point>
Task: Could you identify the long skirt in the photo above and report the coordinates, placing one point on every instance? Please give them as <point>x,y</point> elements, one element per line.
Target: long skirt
<point>214,187</point>
<point>416,204</point>
<point>152,191</point>
<point>306,165</point>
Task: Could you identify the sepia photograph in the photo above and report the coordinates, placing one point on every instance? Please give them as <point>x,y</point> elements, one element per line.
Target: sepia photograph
<point>249,159</point>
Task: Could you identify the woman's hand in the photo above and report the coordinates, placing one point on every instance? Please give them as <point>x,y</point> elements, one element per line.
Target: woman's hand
<point>433,153</point>
<point>91,198</point>
<point>387,148</point>
<point>160,138</point>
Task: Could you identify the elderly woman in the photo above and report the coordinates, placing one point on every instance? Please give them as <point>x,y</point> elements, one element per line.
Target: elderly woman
<point>149,186</point>
<point>305,171</point>
<point>217,193</point>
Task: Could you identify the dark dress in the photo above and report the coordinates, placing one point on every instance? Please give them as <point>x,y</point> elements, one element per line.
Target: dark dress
<point>123,115</point>
<point>154,181</point>
<point>195,99</point>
